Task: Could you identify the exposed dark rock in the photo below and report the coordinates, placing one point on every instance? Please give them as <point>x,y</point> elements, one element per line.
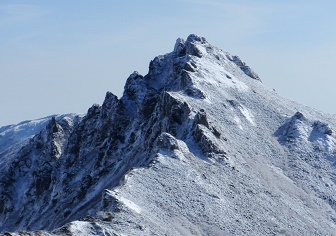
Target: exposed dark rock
<point>298,115</point>
<point>191,46</point>
<point>93,111</point>
<point>245,68</point>
<point>110,103</point>
<point>53,126</point>
<point>133,86</point>
<point>205,142</point>
<point>201,118</point>
<point>148,105</point>
<point>185,79</point>
<point>110,202</point>
<point>167,142</point>
<point>195,38</point>
<point>194,92</point>
<point>179,48</point>
<point>42,181</point>
<point>174,109</point>
<point>216,132</point>
<point>189,67</point>
<point>192,49</point>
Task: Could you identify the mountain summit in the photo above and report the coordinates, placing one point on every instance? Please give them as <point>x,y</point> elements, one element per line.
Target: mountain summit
<point>198,146</point>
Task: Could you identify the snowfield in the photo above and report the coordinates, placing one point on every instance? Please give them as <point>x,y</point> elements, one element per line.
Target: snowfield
<point>198,146</point>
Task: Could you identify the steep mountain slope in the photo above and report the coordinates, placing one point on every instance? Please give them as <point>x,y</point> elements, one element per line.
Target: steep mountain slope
<point>14,137</point>
<point>198,146</point>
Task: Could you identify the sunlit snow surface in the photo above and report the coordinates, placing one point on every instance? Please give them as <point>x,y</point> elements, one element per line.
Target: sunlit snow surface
<point>208,150</point>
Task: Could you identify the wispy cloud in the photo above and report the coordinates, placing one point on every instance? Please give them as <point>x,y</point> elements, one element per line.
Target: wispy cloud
<point>17,13</point>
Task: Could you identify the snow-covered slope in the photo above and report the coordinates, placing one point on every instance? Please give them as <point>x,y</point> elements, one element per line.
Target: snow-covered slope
<point>198,146</point>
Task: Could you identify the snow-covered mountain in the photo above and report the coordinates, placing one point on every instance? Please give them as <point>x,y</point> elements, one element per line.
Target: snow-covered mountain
<point>198,146</point>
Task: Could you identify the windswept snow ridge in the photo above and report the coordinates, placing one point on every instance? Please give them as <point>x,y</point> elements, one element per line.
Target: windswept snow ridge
<point>198,146</point>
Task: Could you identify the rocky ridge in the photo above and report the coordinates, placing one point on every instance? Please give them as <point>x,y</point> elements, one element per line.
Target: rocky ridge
<point>198,146</point>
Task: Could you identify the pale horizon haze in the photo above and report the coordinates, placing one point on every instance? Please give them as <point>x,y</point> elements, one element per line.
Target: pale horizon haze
<point>62,56</point>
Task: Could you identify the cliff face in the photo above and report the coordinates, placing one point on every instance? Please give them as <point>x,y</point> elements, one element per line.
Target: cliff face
<point>198,146</point>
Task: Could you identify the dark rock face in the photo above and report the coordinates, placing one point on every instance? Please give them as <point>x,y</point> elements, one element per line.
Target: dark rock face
<point>322,128</point>
<point>245,68</point>
<point>167,142</point>
<point>201,118</point>
<point>191,46</point>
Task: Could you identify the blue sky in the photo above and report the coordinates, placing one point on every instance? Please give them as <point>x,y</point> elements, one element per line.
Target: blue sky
<point>62,56</point>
